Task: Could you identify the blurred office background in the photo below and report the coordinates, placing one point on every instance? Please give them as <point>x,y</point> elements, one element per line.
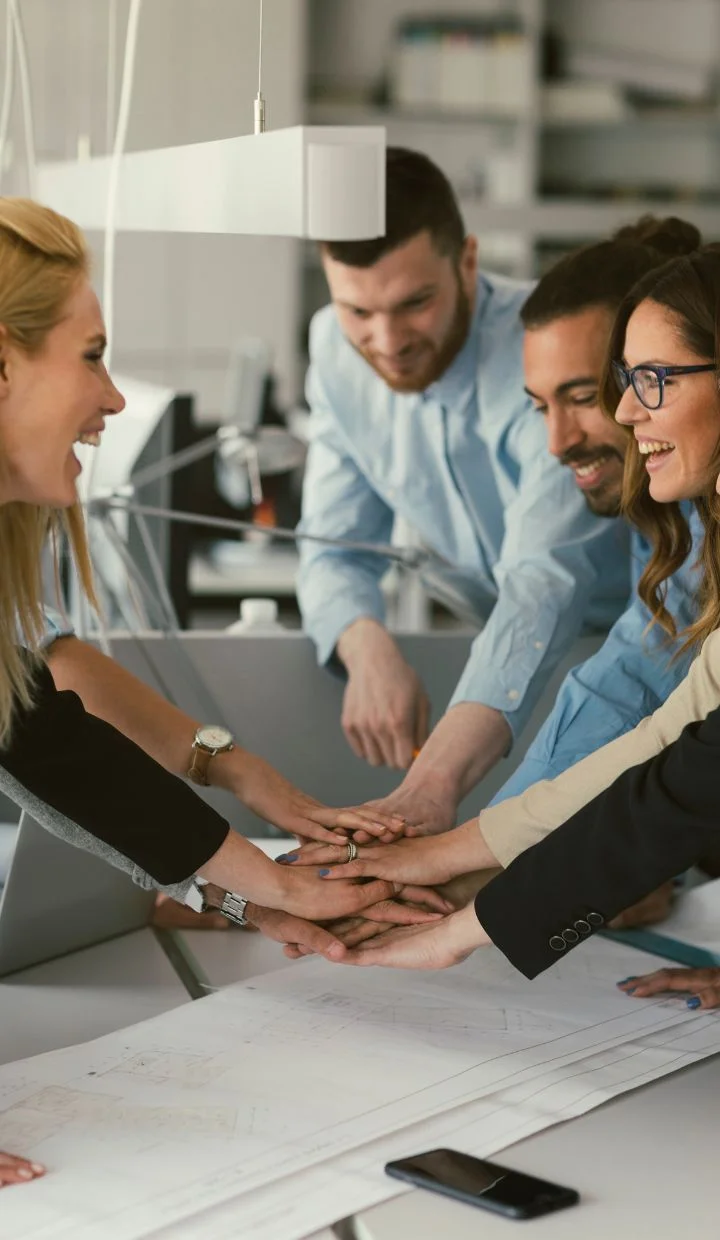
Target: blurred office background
<point>556,120</point>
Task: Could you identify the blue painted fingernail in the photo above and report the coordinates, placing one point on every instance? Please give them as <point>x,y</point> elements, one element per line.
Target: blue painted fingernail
<point>282,858</point>
<point>323,873</point>
<point>292,857</point>
<point>631,991</point>
<point>694,1002</point>
<point>625,981</point>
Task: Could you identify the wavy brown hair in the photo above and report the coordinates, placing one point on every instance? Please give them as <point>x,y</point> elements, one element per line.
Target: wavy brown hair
<point>43,256</point>
<point>689,287</point>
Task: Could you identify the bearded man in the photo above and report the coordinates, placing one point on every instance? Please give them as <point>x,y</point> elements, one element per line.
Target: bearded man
<point>419,411</point>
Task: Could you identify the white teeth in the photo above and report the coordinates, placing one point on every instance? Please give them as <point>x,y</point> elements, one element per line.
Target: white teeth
<point>583,471</point>
<point>646,447</point>
<point>91,437</point>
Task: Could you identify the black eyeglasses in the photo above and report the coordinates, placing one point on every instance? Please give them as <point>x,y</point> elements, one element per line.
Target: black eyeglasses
<point>649,381</point>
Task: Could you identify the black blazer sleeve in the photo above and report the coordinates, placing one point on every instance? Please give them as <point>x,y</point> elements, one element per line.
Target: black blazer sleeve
<point>655,821</point>
<point>85,769</point>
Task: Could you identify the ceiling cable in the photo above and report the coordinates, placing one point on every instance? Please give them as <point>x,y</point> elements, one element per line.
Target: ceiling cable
<point>259,109</point>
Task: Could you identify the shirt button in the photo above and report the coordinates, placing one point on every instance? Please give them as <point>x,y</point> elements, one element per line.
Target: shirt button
<point>582,926</point>
<point>570,936</point>
<point>513,695</point>
<point>538,645</point>
<point>557,943</point>
<point>596,919</point>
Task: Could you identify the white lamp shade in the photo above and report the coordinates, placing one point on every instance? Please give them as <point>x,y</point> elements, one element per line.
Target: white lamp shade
<point>321,182</point>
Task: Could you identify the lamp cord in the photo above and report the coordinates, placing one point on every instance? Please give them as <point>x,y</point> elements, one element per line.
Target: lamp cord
<point>259,106</point>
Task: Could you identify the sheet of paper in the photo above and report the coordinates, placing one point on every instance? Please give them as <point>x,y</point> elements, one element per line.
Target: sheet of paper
<point>243,1090</point>
<point>342,1186</point>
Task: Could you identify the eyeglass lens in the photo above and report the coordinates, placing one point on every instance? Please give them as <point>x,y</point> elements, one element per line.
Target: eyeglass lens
<point>649,388</point>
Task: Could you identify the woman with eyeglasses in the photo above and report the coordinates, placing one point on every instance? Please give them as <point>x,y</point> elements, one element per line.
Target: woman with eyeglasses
<point>561,883</point>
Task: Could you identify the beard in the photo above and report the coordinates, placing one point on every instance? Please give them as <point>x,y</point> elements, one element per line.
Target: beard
<point>604,500</point>
<point>432,360</point>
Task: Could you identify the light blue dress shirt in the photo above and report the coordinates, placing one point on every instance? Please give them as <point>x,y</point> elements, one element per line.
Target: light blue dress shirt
<point>466,463</point>
<point>55,626</point>
<point>632,674</point>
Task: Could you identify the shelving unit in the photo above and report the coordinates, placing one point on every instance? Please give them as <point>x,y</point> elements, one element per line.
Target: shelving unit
<point>665,160</point>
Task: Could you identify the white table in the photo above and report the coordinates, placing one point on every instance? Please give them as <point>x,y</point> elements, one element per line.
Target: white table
<point>86,995</point>
<point>646,1164</point>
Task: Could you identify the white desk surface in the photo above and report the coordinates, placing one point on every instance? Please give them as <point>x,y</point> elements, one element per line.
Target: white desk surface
<point>644,1164</point>
<point>86,995</point>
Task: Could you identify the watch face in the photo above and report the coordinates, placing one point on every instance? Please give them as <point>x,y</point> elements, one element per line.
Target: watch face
<point>213,736</point>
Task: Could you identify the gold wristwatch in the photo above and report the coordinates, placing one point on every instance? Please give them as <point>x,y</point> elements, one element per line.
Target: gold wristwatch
<point>210,738</point>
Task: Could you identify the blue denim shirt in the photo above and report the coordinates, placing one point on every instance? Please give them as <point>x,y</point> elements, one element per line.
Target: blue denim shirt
<point>629,677</point>
<point>466,463</point>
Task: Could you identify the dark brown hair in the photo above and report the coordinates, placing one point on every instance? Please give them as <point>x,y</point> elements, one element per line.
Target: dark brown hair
<point>419,198</point>
<point>689,287</point>
<point>603,273</point>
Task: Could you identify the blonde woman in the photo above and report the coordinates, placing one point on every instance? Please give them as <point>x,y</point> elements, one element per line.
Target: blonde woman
<point>54,392</point>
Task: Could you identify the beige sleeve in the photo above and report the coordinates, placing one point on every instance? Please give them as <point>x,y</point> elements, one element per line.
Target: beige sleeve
<point>516,824</point>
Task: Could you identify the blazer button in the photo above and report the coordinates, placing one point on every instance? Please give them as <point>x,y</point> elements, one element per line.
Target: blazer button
<point>596,919</point>
<point>582,926</point>
<point>570,936</point>
<point>557,943</point>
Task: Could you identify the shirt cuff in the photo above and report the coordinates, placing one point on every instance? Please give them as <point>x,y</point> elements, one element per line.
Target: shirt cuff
<point>326,630</point>
<point>56,626</point>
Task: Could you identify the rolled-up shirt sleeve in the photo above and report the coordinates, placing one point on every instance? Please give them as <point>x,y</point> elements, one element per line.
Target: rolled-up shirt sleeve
<point>335,585</point>
<point>606,696</point>
<point>555,556</point>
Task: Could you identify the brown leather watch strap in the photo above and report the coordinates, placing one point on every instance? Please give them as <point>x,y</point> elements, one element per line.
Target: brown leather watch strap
<point>199,763</point>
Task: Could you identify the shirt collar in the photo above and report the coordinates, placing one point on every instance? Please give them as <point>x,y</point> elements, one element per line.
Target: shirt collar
<point>460,377</point>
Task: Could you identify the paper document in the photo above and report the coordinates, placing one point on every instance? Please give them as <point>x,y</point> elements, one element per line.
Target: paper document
<point>275,1099</point>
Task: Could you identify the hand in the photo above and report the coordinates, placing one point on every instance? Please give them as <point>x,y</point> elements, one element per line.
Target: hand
<point>351,932</point>
<point>385,710</point>
<point>424,811</point>
<point>14,1170</point>
<point>304,894</point>
<point>437,859</point>
<point>463,889</point>
<point>440,946</point>
<point>305,937</point>
<point>273,798</point>
<point>703,985</point>
<point>653,908</point>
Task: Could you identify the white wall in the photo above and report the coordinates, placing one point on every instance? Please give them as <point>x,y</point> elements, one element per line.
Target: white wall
<point>180,300</point>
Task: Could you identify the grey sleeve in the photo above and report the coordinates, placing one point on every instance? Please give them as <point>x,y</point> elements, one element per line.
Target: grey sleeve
<point>55,822</point>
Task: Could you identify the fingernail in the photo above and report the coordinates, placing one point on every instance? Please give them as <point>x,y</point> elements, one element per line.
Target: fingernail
<point>292,857</point>
<point>37,1168</point>
<point>694,1002</point>
<point>25,1173</point>
<point>631,991</point>
<point>282,858</point>
<point>625,981</point>
<point>323,873</point>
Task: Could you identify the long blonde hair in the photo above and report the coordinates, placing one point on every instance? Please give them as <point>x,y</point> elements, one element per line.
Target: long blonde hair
<point>42,258</point>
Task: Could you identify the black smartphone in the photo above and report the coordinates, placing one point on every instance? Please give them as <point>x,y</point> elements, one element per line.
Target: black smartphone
<point>484,1184</point>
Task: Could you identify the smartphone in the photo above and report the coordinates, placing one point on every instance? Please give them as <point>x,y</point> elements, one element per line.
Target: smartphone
<point>484,1184</point>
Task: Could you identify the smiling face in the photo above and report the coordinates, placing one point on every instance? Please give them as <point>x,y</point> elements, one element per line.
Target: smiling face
<point>50,400</point>
<point>408,315</point>
<point>678,441</point>
<point>563,362</point>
